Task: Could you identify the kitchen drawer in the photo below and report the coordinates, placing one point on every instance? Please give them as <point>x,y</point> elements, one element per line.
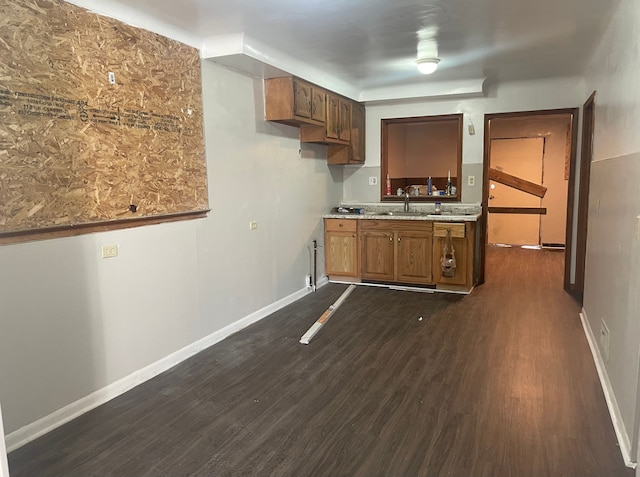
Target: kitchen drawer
<point>341,225</point>
<point>457,229</point>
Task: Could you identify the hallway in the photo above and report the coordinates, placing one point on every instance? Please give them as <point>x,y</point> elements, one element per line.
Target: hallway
<point>497,383</point>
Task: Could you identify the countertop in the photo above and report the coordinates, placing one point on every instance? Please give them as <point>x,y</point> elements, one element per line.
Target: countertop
<point>444,217</point>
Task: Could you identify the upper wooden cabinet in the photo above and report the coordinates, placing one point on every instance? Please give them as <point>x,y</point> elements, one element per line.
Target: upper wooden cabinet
<point>295,102</point>
<point>324,117</point>
<point>353,153</point>
<point>337,127</point>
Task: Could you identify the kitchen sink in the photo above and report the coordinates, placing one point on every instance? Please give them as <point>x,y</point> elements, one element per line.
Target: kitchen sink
<point>404,214</point>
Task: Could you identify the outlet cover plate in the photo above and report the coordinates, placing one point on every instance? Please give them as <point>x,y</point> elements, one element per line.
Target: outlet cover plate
<point>109,251</point>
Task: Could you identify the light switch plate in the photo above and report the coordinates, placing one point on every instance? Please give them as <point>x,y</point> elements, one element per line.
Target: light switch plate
<point>373,180</point>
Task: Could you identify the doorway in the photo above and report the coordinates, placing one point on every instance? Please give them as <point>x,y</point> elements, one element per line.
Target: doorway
<point>522,158</point>
<point>588,121</point>
<point>541,197</point>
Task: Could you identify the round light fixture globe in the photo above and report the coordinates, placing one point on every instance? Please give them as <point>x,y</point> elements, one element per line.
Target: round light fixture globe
<point>427,65</point>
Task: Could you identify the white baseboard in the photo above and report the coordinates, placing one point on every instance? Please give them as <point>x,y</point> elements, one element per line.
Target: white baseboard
<point>612,404</point>
<point>32,431</point>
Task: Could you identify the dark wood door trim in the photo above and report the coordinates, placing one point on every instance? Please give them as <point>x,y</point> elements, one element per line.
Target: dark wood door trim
<point>586,155</point>
<point>519,210</point>
<point>482,223</point>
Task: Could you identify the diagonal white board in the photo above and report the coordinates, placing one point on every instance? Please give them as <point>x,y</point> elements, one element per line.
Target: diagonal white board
<point>311,332</point>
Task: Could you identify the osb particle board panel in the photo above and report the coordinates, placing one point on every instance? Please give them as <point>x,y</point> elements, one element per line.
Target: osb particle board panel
<point>76,148</point>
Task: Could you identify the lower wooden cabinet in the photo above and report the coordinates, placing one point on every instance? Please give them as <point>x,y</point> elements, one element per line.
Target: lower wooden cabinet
<point>342,256</point>
<point>463,239</point>
<point>397,251</point>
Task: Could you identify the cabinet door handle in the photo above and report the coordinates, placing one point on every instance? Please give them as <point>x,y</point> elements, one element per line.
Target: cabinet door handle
<point>353,235</point>
<point>340,225</point>
<point>391,238</point>
<point>398,239</point>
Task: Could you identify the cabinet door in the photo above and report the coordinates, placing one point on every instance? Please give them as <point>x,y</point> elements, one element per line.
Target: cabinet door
<point>318,104</point>
<point>377,255</point>
<point>341,253</point>
<point>354,151</point>
<point>344,128</point>
<point>301,99</point>
<point>357,133</point>
<point>333,116</point>
<point>460,239</point>
<point>414,256</point>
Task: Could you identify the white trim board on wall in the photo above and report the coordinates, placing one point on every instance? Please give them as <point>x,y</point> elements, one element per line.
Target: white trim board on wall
<point>4,464</point>
<point>75,409</point>
<point>612,404</point>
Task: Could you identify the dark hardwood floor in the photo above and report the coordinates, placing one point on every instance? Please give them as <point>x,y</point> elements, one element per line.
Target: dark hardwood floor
<point>497,383</point>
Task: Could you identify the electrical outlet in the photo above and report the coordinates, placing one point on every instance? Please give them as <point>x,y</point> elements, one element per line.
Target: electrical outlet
<point>109,251</point>
<point>471,181</point>
<point>308,280</point>
<point>604,340</point>
<point>253,225</point>
<point>373,180</point>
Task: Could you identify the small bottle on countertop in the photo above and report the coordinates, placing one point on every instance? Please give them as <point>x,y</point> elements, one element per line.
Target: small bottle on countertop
<point>388,185</point>
<point>429,186</point>
<point>438,209</point>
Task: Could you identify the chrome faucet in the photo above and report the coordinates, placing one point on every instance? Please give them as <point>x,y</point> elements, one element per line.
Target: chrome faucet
<point>406,199</point>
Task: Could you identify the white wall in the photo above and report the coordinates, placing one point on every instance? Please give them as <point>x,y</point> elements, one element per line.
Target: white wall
<point>506,97</point>
<point>73,323</point>
<point>612,281</point>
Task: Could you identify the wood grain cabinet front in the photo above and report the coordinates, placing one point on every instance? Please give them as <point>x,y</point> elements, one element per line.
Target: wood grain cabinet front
<point>337,127</point>
<point>463,240</point>
<point>292,101</point>
<point>397,251</point>
<point>323,117</point>
<point>342,257</point>
<point>353,153</point>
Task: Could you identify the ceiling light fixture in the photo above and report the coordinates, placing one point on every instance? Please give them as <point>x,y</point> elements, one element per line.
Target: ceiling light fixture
<point>427,65</point>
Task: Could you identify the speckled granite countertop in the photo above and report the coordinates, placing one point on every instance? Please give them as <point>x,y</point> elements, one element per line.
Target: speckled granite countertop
<point>457,212</point>
<point>444,217</point>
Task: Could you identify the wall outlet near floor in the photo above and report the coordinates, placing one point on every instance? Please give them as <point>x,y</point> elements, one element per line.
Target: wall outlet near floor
<point>109,251</point>
<point>373,180</point>
<point>307,280</point>
<point>253,225</point>
<point>471,181</point>
<point>604,340</point>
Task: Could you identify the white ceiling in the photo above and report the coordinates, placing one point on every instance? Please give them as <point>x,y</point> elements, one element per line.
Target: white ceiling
<point>373,44</point>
